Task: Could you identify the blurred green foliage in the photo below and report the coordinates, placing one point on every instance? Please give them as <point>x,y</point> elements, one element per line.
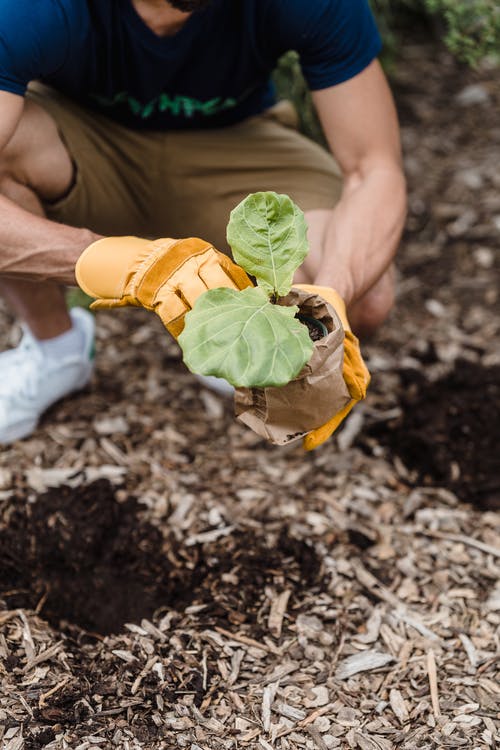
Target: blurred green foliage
<point>76,298</point>
<point>290,84</point>
<point>469,28</point>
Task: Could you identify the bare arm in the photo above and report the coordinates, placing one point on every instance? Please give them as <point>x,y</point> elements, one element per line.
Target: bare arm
<point>361,126</point>
<point>31,247</point>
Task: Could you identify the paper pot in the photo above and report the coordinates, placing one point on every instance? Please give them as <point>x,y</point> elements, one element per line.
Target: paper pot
<point>282,415</point>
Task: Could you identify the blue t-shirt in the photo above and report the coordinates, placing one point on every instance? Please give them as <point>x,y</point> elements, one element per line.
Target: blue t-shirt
<point>215,71</point>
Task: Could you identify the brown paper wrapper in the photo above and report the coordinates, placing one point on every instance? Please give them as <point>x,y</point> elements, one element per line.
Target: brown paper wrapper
<point>282,415</point>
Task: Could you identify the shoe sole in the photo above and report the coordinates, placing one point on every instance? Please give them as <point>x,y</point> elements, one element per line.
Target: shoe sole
<point>27,427</point>
<point>20,431</point>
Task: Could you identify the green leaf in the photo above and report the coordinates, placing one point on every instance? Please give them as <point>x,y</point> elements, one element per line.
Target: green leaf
<point>267,233</point>
<point>242,337</point>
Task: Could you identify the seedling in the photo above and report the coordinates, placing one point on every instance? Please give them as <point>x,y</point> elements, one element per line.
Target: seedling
<point>251,337</point>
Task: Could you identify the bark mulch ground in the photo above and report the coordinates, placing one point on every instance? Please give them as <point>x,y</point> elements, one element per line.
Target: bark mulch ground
<point>168,580</point>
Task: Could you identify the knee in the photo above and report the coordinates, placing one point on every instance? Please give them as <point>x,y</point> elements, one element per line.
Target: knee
<point>12,157</point>
<point>35,157</point>
<point>8,183</point>
<point>5,165</point>
<point>372,309</point>
<point>12,182</point>
<point>17,162</point>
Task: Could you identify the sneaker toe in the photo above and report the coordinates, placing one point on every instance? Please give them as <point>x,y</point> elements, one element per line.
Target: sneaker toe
<point>15,423</point>
<point>219,385</point>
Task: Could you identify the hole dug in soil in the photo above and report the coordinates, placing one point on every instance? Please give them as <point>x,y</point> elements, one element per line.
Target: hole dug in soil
<point>449,433</point>
<point>85,559</point>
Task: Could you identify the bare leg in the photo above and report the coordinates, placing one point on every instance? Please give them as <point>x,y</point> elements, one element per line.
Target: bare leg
<point>35,163</point>
<point>370,310</point>
<point>41,306</point>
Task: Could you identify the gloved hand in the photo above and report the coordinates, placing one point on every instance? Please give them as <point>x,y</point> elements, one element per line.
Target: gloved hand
<point>355,372</point>
<point>165,275</point>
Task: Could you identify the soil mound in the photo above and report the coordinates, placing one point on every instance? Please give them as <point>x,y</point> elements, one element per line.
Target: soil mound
<point>80,557</point>
<point>449,432</point>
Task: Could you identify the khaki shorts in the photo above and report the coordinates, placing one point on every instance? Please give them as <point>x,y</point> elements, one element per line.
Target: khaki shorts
<point>182,183</point>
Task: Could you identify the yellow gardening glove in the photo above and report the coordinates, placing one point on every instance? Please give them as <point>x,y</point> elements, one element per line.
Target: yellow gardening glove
<point>165,275</point>
<point>356,375</point>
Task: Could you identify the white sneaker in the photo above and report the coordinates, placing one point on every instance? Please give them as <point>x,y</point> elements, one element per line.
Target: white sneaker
<point>219,385</point>
<point>31,382</point>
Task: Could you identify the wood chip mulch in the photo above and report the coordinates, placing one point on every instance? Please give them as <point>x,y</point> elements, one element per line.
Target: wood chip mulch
<point>168,580</point>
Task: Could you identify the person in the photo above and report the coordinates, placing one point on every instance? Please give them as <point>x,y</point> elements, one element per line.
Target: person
<point>154,118</point>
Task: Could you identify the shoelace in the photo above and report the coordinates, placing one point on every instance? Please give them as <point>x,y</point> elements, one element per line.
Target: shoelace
<point>23,362</point>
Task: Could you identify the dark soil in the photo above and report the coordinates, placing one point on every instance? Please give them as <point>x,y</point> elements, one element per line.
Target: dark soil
<point>212,524</point>
<point>81,557</point>
<point>449,431</point>
<point>315,329</point>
